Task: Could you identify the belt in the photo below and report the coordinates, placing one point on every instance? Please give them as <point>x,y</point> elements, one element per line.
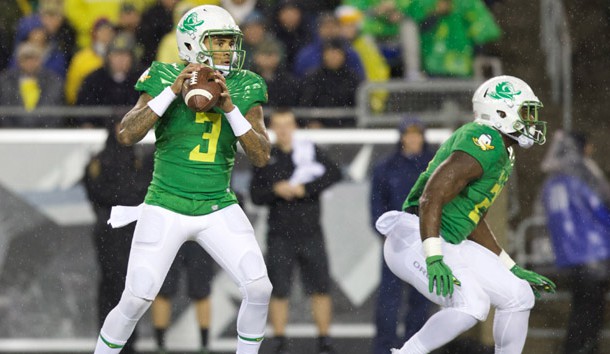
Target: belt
<point>414,209</point>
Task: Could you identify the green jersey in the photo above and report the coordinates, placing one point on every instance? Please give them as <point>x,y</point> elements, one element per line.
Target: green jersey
<point>195,152</point>
<point>461,215</point>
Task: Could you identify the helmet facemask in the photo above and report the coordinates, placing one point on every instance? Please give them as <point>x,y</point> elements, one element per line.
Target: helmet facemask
<point>214,53</point>
<point>528,124</point>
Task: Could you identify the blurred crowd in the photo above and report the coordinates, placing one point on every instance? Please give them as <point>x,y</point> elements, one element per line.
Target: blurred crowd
<point>311,53</point>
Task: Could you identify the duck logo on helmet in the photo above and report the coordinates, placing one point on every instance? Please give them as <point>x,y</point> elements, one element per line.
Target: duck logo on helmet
<point>504,90</point>
<point>190,23</point>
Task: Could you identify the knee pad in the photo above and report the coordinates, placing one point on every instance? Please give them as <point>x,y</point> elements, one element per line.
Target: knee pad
<point>473,301</point>
<point>522,298</point>
<point>257,291</point>
<point>142,282</point>
<point>132,306</point>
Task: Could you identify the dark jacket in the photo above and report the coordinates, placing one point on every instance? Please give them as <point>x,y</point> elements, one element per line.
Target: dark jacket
<point>329,88</point>
<point>156,22</point>
<point>300,216</point>
<point>51,87</point>
<point>283,89</point>
<point>100,89</point>
<point>118,175</point>
<point>393,179</point>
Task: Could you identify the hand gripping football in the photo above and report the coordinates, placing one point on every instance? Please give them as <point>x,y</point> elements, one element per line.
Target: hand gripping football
<point>201,92</point>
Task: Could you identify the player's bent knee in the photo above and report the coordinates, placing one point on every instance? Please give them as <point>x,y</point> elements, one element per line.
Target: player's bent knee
<point>131,306</point>
<point>143,283</point>
<point>479,309</point>
<point>521,298</point>
<point>258,291</point>
<point>525,298</point>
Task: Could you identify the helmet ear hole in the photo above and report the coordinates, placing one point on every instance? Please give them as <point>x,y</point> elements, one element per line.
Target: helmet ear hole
<point>502,114</point>
<point>188,46</point>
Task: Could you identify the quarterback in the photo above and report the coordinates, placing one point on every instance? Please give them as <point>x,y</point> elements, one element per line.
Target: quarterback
<point>441,243</point>
<point>189,197</point>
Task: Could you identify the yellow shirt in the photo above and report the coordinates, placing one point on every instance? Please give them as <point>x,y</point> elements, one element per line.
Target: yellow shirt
<point>82,14</point>
<point>83,63</point>
<point>376,68</point>
<point>30,92</point>
<point>168,49</point>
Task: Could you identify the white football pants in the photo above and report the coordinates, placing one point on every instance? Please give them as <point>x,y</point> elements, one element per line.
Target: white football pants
<point>485,282</point>
<point>226,235</point>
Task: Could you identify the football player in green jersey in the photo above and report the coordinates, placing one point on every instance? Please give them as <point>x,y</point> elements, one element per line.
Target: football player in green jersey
<point>441,243</point>
<point>189,197</point>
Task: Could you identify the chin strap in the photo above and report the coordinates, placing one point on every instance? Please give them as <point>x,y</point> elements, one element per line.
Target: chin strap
<point>523,141</point>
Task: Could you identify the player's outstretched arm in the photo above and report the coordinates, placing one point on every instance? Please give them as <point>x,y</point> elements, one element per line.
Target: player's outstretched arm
<point>143,116</point>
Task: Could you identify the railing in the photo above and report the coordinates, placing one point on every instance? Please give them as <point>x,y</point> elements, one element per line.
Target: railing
<point>442,103</point>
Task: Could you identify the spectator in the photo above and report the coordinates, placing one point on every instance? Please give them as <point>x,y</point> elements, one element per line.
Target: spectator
<point>167,51</point>
<point>89,59</point>
<point>129,23</point>
<point>9,17</point>
<point>282,86</point>
<point>239,9</point>
<point>60,34</point>
<point>576,198</point>
<point>382,21</point>
<point>333,84</point>
<point>450,30</point>
<point>117,175</point>
<point>309,58</point>
<point>255,33</point>
<point>30,85</point>
<point>33,31</point>
<point>199,268</point>
<point>156,22</point>
<point>375,65</point>
<point>392,180</point>
<point>290,28</point>
<point>83,14</point>
<point>112,84</point>
<point>291,186</point>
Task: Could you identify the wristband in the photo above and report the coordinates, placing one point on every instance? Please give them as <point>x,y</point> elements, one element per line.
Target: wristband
<point>432,247</point>
<point>506,260</point>
<point>160,103</point>
<point>238,122</point>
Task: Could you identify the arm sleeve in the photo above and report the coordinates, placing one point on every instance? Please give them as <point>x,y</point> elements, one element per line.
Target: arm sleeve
<point>330,176</point>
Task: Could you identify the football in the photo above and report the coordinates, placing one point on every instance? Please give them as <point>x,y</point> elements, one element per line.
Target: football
<point>201,92</point>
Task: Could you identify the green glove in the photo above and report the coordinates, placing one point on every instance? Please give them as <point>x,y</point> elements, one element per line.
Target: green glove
<point>537,282</point>
<point>441,274</point>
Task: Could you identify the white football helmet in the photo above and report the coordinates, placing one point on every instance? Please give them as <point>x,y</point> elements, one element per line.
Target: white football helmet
<point>194,34</point>
<point>509,105</point>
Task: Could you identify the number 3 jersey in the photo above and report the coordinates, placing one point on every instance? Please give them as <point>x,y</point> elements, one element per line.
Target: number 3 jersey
<point>461,215</point>
<point>195,152</point>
